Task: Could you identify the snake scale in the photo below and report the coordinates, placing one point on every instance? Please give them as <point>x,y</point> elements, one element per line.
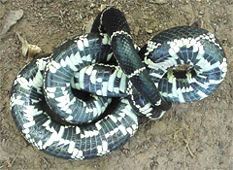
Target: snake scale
<point>178,65</point>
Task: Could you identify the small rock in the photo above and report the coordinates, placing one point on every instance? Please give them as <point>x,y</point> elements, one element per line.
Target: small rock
<point>11,19</point>
<point>149,31</point>
<point>92,5</point>
<point>201,12</point>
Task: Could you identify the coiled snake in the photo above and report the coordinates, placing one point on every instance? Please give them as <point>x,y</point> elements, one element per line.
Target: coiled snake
<point>54,117</point>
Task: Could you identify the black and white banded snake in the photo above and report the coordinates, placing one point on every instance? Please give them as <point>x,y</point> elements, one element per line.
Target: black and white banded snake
<point>45,87</point>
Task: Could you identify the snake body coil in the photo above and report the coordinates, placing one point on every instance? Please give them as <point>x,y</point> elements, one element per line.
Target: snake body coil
<point>56,120</point>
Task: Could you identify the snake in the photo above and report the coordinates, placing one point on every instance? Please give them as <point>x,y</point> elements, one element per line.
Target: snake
<point>85,99</point>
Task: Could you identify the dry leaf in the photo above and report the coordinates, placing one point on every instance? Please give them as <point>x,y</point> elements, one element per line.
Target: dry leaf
<point>11,19</point>
<point>28,50</point>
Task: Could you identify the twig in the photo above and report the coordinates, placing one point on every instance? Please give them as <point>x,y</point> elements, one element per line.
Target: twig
<point>176,132</point>
<point>188,148</point>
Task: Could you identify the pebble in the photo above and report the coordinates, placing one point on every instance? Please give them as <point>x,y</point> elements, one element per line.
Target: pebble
<point>92,5</point>
<point>149,31</point>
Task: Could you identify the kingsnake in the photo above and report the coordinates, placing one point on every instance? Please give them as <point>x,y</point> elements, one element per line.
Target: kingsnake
<point>54,117</point>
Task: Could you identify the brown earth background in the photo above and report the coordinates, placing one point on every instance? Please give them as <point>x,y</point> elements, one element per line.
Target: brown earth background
<point>189,136</point>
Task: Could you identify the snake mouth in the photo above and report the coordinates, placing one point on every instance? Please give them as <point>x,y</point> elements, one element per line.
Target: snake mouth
<point>181,71</point>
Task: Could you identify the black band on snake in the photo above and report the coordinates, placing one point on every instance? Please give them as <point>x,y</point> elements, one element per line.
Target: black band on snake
<point>181,64</point>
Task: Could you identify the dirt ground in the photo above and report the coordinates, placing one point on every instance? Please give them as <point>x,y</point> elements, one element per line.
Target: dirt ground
<point>190,136</point>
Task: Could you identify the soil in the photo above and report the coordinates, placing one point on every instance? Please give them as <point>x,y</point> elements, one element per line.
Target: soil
<point>189,136</point>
